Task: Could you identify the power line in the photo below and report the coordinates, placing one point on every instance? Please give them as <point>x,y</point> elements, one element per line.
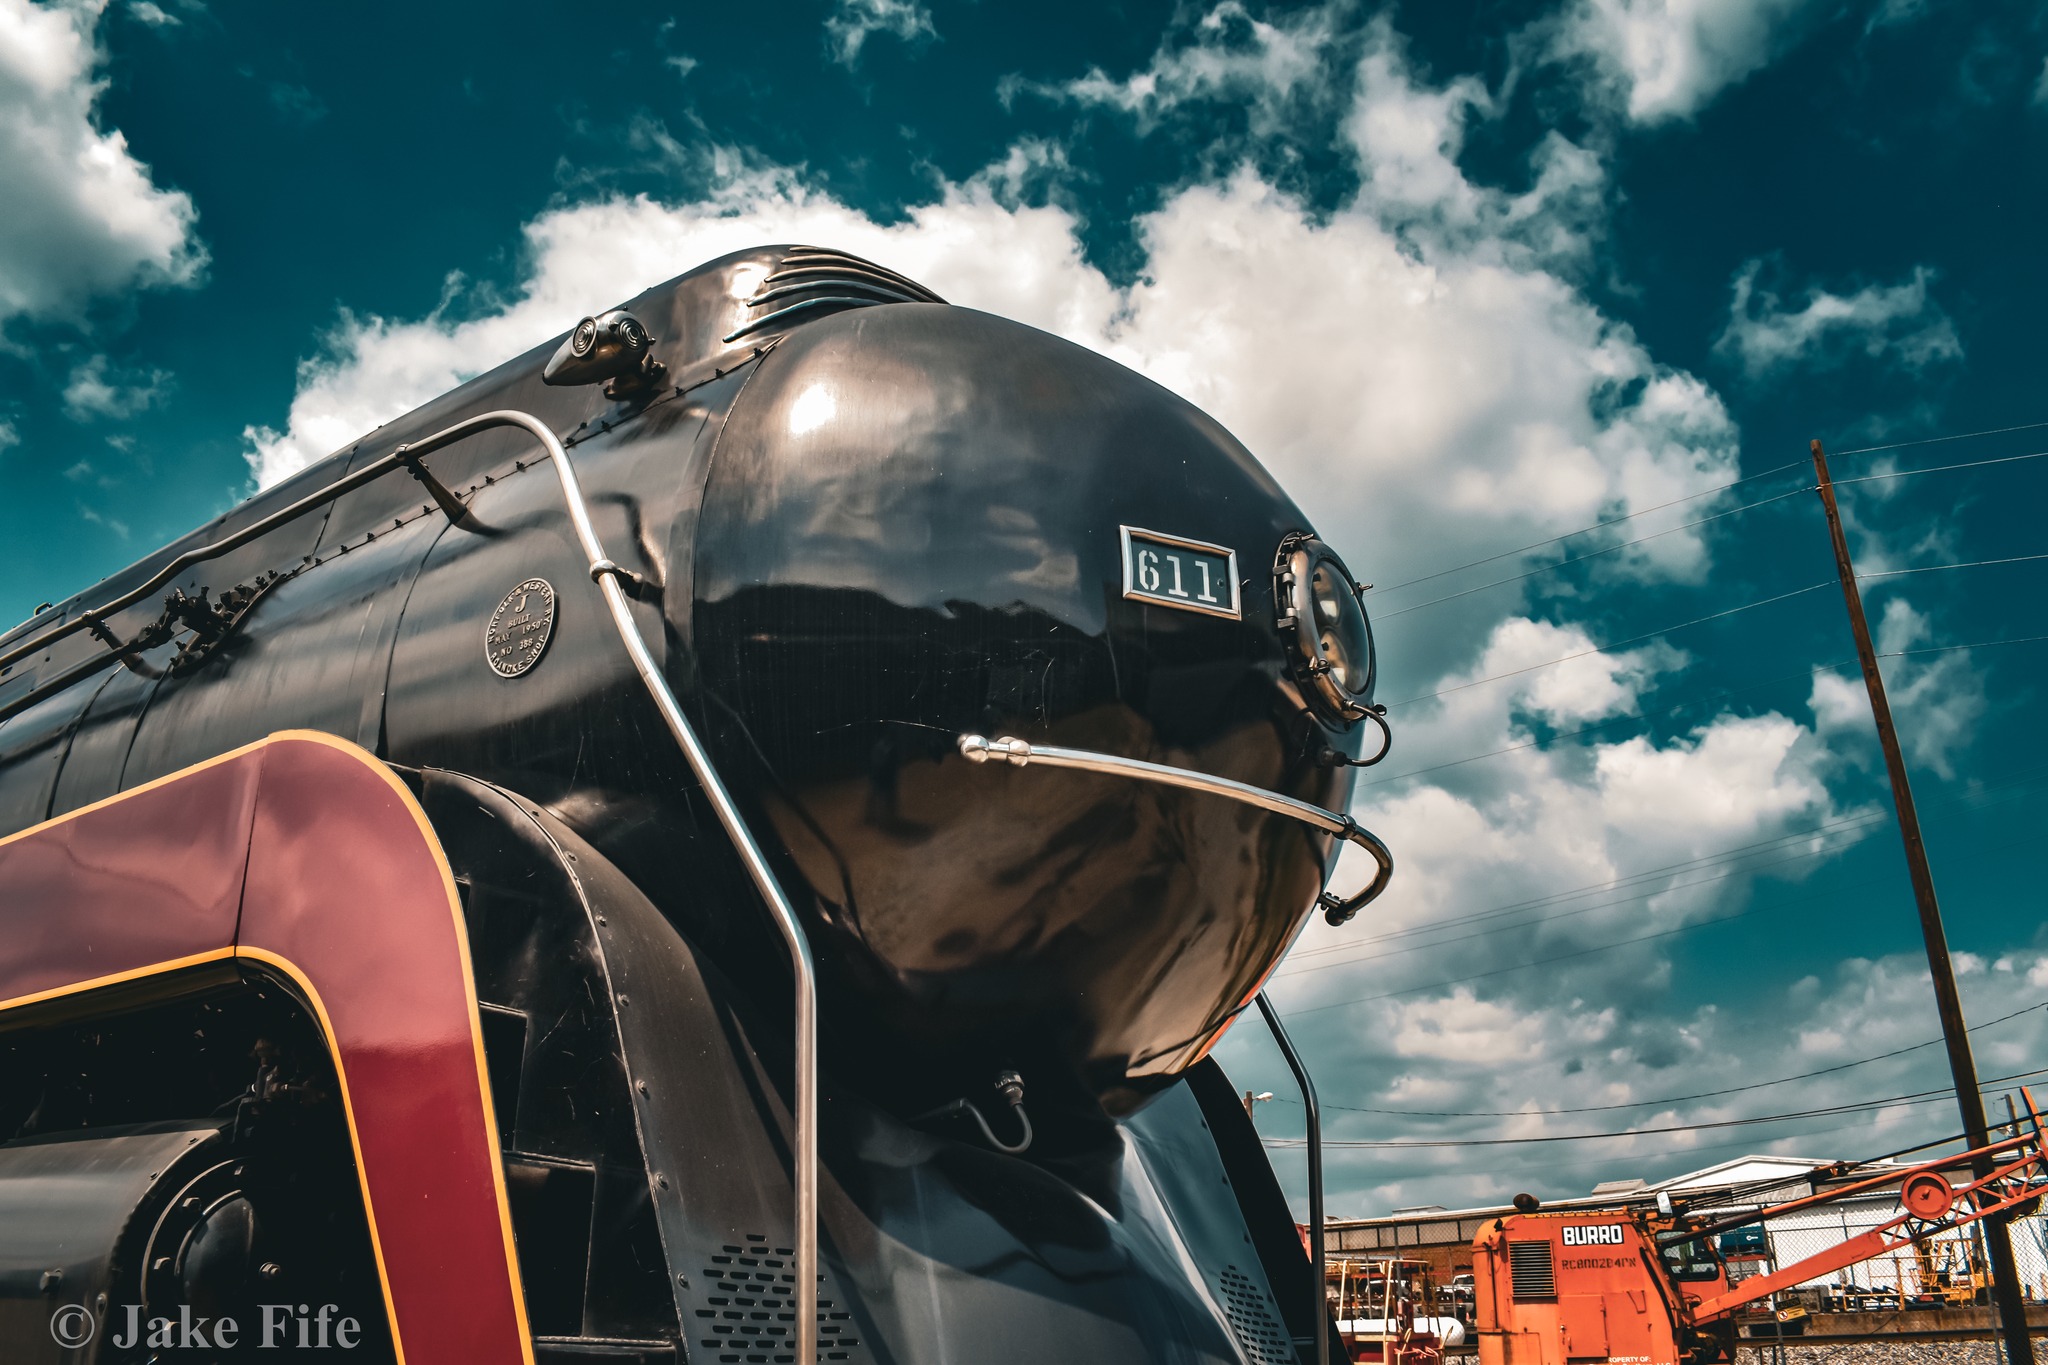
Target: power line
<point>1539,962</point>
<point>1973,798</point>
<point>1673,1099</point>
<point>1569,894</point>
<point>1829,1111</point>
<point>1981,644</point>
<point>1710,698</point>
<point>1603,947</point>
<point>1734,852</point>
<point>1654,891</point>
<point>1938,440</point>
<point>1718,488</point>
<point>1937,568</point>
<point>1611,721</point>
<point>1590,554</point>
<point>1598,525</point>
<point>1742,859</point>
<point>1617,644</point>
<point>1941,468</point>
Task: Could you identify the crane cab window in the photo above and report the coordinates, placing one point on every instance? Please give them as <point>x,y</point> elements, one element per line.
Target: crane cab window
<point>1690,1262</point>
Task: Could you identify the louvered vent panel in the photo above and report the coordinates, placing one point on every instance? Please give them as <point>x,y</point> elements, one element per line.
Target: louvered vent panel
<point>1252,1316</point>
<point>1530,1270</point>
<point>812,283</point>
<point>750,1317</point>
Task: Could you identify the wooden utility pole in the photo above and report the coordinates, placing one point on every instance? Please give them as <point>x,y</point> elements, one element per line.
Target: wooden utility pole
<point>2007,1292</point>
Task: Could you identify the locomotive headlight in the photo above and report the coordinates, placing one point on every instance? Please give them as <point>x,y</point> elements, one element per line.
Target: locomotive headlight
<point>1316,603</point>
<point>612,347</point>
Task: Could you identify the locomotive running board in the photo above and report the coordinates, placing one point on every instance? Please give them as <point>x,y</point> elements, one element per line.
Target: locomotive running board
<point>980,749</point>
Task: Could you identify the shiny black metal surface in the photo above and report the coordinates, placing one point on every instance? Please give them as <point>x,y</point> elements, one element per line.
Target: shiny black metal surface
<point>645,1121</point>
<point>911,531</point>
<point>858,528</point>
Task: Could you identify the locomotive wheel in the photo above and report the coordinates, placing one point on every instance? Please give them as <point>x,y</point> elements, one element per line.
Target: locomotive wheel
<point>203,1250</point>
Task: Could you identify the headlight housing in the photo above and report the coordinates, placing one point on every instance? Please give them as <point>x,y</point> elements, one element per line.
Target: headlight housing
<point>1329,641</point>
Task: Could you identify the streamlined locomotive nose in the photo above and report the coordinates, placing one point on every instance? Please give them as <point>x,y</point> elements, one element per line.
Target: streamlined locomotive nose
<point>924,522</point>
<point>1027,698</point>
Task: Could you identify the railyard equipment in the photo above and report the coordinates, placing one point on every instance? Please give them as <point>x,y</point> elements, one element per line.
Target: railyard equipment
<point>1641,1284</point>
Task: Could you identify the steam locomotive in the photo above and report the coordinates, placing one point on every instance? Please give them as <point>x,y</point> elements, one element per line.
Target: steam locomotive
<point>727,838</point>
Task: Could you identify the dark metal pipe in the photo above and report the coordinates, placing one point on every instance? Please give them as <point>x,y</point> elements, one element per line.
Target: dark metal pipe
<point>1319,1306</point>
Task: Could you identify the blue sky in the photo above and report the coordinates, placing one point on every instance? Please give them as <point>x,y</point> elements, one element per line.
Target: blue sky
<point>1468,276</point>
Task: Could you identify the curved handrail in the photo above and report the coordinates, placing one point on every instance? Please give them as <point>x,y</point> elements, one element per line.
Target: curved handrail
<point>980,749</point>
<point>606,575</point>
<point>1318,1256</point>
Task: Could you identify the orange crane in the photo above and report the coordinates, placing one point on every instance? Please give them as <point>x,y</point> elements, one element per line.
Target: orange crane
<point>1644,1286</point>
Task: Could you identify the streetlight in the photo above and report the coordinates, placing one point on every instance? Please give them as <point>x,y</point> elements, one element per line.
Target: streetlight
<point>1250,1099</point>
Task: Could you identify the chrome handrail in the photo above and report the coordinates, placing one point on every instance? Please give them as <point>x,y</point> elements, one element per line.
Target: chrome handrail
<point>606,575</point>
<point>980,749</point>
<point>1318,1294</point>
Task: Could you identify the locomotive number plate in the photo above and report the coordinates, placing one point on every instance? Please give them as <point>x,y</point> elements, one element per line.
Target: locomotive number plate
<point>520,628</point>
<point>1173,571</point>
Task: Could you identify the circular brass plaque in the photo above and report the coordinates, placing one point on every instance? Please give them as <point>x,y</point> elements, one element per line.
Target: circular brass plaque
<point>520,628</point>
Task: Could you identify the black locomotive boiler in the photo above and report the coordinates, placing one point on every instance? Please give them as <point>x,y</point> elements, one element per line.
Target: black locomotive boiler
<point>874,750</point>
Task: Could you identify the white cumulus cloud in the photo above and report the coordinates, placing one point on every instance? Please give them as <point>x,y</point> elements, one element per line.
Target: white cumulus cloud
<point>1269,66</point>
<point>83,217</point>
<point>97,388</point>
<point>1668,59</point>
<point>1900,323</point>
<point>1936,699</point>
<point>1021,262</point>
<point>849,26</point>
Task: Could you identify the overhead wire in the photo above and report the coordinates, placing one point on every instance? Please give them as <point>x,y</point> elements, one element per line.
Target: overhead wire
<point>1604,947</point>
<point>1382,617</point>
<point>1680,1099</point>
<point>1744,869</point>
<point>1612,721</point>
<point>1978,644</point>
<point>1827,1111</point>
<point>1968,564</point>
<point>1735,483</point>
<point>1683,704</point>
<point>1938,440</point>
<point>1689,702</point>
<point>1939,468</point>
<point>1740,861</point>
<point>1616,644</point>
<point>1596,526</point>
<point>1972,798</point>
<point>1695,1151</point>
